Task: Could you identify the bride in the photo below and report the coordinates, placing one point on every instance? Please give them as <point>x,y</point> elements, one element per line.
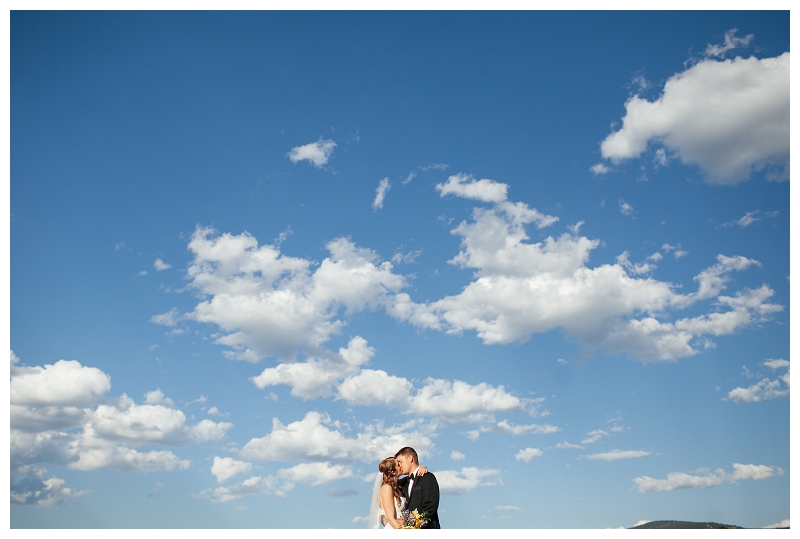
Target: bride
<point>387,493</point>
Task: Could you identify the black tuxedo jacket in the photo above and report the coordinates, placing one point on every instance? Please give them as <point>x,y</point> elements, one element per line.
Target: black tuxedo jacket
<point>424,497</point>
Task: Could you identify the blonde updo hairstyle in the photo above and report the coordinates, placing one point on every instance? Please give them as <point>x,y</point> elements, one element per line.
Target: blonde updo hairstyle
<point>388,467</point>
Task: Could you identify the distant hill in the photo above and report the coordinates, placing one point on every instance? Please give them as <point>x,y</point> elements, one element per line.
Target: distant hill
<point>683,525</point>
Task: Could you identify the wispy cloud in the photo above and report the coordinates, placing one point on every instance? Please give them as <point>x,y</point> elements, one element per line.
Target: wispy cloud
<point>751,217</point>
<point>435,166</point>
<point>380,194</point>
<point>706,479</point>
<point>616,454</point>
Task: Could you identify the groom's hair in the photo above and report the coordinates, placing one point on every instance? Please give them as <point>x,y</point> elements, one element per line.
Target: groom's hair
<point>410,452</point>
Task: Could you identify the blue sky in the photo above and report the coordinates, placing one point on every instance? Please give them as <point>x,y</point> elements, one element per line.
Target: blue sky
<point>252,254</point>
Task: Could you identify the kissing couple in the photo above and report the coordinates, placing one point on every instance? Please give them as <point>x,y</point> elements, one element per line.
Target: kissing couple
<point>392,495</point>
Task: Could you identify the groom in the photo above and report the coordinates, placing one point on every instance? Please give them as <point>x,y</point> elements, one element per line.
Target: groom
<point>422,492</point>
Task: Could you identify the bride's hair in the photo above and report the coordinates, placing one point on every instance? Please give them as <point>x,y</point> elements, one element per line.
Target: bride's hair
<point>387,467</point>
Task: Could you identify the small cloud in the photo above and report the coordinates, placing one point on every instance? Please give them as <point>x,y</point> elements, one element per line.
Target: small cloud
<point>215,411</point>
<point>639,83</point>
<point>380,194</point>
<point>593,436</point>
<point>201,399</point>
<point>408,258</point>
<point>457,455</point>
<point>528,454</point>
<point>667,248</point>
<point>616,454</point>
<point>599,168</point>
<point>576,228</point>
<point>752,217</point>
<point>435,166</point>
<point>507,508</point>
<point>625,208</point>
<point>169,318</point>
<point>156,489</point>
<point>317,153</point>
<point>567,445</point>
<point>160,265</point>
<point>660,157</point>
<point>562,361</point>
<point>152,347</point>
<point>731,42</point>
<point>505,517</point>
<point>411,176</point>
<point>141,273</point>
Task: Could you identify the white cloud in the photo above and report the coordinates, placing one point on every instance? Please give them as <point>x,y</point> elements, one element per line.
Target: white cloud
<point>680,480</point>
<point>765,389</point>
<point>411,176</point>
<point>506,508</point>
<point>625,208</point>
<point>157,397</point>
<point>455,482</point>
<point>731,42</point>
<point>269,304</point>
<point>593,436</point>
<point>782,524</point>
<point>63,383</point>
<point>160,265</point>
<point>775,364</point>
<point>370,388</point>
<point>43,425</point>
<point>435,166</point>
<point>169,318</point>
<point>616,454</point>
<point>33,488</point>
<point>215,412</point>
<point>464,185</point>
<point>457,455</point>
<point>528,454</point>
<point>599,168</point>
<point>408,258</point>
<point>315,473</point>
<point>660,157</point>
<point>522,288</point>
<point>729,117</point>
<point>460,402</point>
<point>380,194</point>
<point>224,468</point>
<point>504,427</point>
<point>751,217</point>
<point>316,438</point>
<point>567,445</point>
<point>318,153</point>
<point>255,485</point>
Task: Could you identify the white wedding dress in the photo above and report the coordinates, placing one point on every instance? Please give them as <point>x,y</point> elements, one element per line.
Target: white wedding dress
<point>398,508</point>
<point>375,510</point>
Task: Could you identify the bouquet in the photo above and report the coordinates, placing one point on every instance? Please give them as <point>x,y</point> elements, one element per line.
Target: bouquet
<point>413,520</point>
